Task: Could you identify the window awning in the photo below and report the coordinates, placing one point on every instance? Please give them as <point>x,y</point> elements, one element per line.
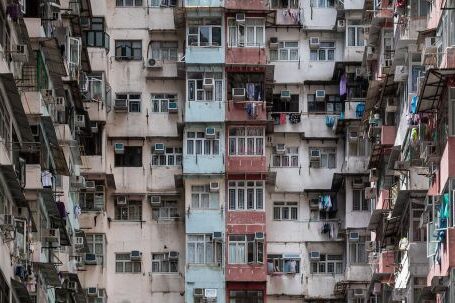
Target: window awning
<point>432,88</point>
<point>13,184</point>
<point>59,158</point>
<point>49,274</point>
<point>20,292</point>
<point>15,102</point>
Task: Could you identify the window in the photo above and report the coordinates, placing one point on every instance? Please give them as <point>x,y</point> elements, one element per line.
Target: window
<point>249,34</point>
<point>132,211</point>
<point>285,210</point>
<point>246,195</point>
<point>246,296</point>
<point>326,158</point>
<point>5,121</point>
<point>197,144</point>
<point>355,33</point>
<point>278,4</point>
<point>133,100</point>
<point>359,203</point>
<point>204,32</point>
<point>322,3</point>
<point>202,198</point>
<point>202,249</point>
<point>128,49</point>
<point>162,3</point>
<point>289,159</point>
<point>245,249</point>
<point>283,263</point>
<point>131,157</point>
<point>95,244</point>
<point>357,252</point>
<point>163,50</point>
<point>171,157</point>
<point>321,215</point>
<point>166,211</point>
<point>331,104</point>
<point>287,51</point>
<point>357,146</point>
<point>124,264</point>
<point>416,72</point>
<point>126,3</point>
<point>96,35</point>
<point>160,102</point>
<point>246,141</point>
<point>196,90</point>
<point>162,264</point>
<point>97,299</point>
<point>328,264</point>
<point>92,200</point>
<point>326,52</point>
<point>287,106</point>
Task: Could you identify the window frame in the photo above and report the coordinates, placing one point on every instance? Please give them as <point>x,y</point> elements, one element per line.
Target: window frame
<point>195,87</point>
<point>243,188</point>
<point>357,250</point>
<point>246,296</point>
<point>279,261</point>
<point>123,45</point>
<point>327,151</point>
<point>207,243</point>
<point>92,241</point>
<point>135,3</point>
<point>238,140</point>
<point>163,52</point>
<point>134,104</point>
<point>135,205</point>
<point>126,160</point>
<point>362,204</point>
<point>157,101</point>
<point>198,142</point>
<point>281,207</point>
<point>336,261</point>
<point>325,3</point>
<point>234,33</point>
<point>168,206</point>
<point>357,28</point>
<point>251,248</point>
<point>326,50</point>
<point>136,266</point>
<point>275,55</point>
<point>171,264</point>
<point>176,155</point>
<point>289,159</point>
<point>200,24</point>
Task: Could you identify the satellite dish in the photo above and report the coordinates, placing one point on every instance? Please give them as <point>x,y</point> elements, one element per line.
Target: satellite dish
<point>152,62</point>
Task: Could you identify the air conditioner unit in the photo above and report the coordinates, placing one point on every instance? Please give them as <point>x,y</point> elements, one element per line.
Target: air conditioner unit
<point>353,136</point>
<point>210,293</point>
<point>173,255</point>
<point>20,54</point>
<point>94,127</point>
<point>79,121</point>
<point>320,95</point>
<point>240,17</point>
<point>152,63</point>
<point>214,186</point>
<point>159,148</point>
<point>341,25</point>
<point>280,149</point>
<point>72,285</point>
<point>315,155</point>
<point>6,220</point>
<point>135,255</point>
<point>217,236</point>
<point>79,241</point>
<point>172,107</point>
<point>370,246</point>
<point>315,255</point>
<point>314,203</point>
<point>121,105</point>
<point>92,292</point>
<point>273,43</point>
<point>119,148</point>
<point>358,292</point>
<point>90,185</point>
<point>198,292</point>
<point>208,83</point>
<point>285,95</point>
<point>90,259</point>
<point>314,42</point>
<point>259,236</point>
<point>51,234</point>
<point>354,236</point>
<point>155,200</point>
<point>210,133</point>
<point>78,181</point>
<point>401,73</point>
<point>121,200</point>
<point>238,94</point>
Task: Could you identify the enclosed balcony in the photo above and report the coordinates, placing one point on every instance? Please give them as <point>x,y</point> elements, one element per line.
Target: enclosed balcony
<point>162,59</point>
<point>203,3</point>
<point>447,165</point>
<point>447,257</point>
<point>246,111</point>
<point>253,5</point>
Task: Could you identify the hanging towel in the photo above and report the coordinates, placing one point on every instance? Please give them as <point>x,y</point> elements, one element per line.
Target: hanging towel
<point>343,82</point>
<point>282,118</point>
<point>413,107</point>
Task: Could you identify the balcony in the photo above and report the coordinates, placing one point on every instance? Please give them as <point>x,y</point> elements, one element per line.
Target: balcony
<point>408,29</point>
<point>256,5</point>
<point>246,111</point>
<point>447,258</point>
<point>354,109</point>
<point>246,55</point>
<point>93,164</point>
<point>32,102</point>
<point>246,272</point>
<point>204,111</point>
<point>204,164</point>
<point>384,201</point>
<point>204,55</point>
<point>156,70</point>
<point>96,111</point>
<point>246,164</point>
<point>63,133</point>
<point>385,263</point>
<point>447,166</point>
<point>204,3</point>
<point>414,263</point>
<point>448,58</point>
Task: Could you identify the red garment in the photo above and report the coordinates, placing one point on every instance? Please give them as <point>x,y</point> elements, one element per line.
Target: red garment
<point>282,118</point>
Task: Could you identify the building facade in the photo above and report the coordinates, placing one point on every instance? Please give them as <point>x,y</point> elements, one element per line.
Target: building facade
<point>226,151</point>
